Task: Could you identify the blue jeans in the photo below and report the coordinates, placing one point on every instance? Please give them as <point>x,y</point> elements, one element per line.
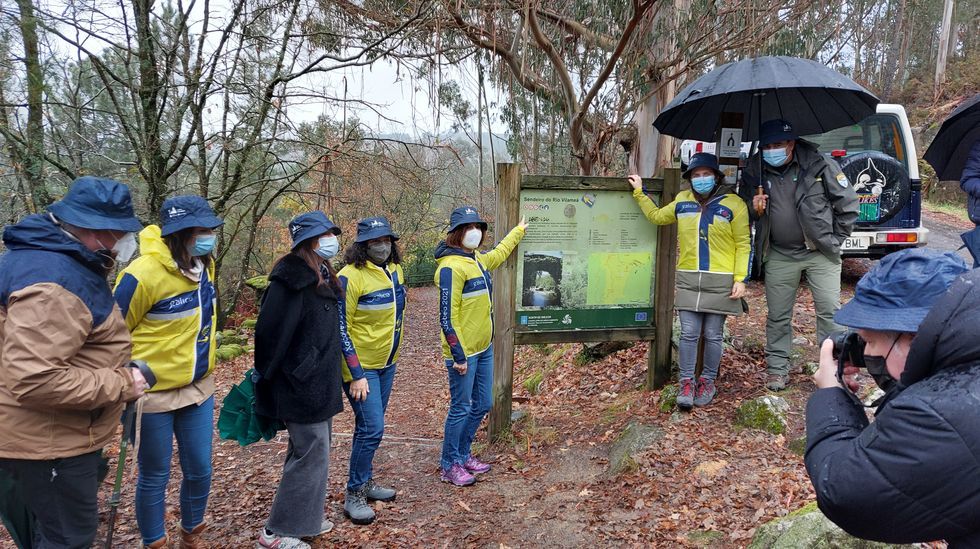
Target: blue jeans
<point>193,426</point>
<point>369,424</point>
<point>714,327</point>
<point>471,396</point>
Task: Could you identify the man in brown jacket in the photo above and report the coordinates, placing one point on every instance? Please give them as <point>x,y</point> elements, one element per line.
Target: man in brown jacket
<point>64,348</point>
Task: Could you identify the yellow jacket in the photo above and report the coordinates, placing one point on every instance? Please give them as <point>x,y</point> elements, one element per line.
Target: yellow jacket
<point>371,317</point>
<point>171,317</point>
<point>714,238</point>
<point>465,295</point>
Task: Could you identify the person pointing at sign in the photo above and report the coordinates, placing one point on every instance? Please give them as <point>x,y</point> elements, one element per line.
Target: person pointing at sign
<point>713,231</point>
<point>466,317</point>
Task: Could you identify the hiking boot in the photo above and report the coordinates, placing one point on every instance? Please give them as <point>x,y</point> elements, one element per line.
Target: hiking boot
<point>776,382</point>
<point>373,492</point>
<point>705,392</point>
<point>458,475</point>
<point>268,540</point>
<point>161,543</point>
<point>685,394</point>
<point>356,507</point>
<point>475,466</point>
<point>192,539</point>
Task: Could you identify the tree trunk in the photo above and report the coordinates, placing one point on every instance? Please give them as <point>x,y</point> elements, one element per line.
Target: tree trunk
<point>152,161</point>
<point>32,154</point>
<point>943,49</point>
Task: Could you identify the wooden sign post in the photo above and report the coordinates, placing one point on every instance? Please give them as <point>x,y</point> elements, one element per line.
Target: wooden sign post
<point>641,326</point>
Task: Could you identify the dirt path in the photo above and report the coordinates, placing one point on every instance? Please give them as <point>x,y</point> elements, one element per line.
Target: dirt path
<point>704,480</point>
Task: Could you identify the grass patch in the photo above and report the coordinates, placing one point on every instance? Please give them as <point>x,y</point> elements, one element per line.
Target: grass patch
<point>956,210</point>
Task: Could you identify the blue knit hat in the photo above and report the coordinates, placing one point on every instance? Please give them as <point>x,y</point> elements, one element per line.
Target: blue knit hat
<point>182,212</point>
<point>306,226</point>
<point>97,203</point>
<point>897,293</point>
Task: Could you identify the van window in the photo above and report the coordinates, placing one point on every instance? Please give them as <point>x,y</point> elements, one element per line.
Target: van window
<point>878,132</point>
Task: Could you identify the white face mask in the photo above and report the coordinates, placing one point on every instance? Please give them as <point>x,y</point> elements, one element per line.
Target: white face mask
<point>472,238</point>
<point>327,246</point>
<point>125,248</point>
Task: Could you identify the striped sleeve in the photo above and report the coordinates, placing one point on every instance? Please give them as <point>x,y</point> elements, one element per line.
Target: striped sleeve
<point>743,240</point>
<point>446,298</point>
<point>348,305</point>
<point>131,297</point>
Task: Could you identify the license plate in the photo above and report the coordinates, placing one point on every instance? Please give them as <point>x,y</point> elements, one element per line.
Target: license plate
<point>856,243</point>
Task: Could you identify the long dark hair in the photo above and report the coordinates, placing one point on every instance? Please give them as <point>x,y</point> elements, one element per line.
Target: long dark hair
<point>178,244</point>
<point>357,256</point>
<point>305,252</point>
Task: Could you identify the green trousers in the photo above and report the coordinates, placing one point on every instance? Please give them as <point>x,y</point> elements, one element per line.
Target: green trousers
<point>782,282</point>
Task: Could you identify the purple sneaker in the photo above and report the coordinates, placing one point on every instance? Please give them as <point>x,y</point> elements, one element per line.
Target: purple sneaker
<point>457,475</point>
<point>475,466</point>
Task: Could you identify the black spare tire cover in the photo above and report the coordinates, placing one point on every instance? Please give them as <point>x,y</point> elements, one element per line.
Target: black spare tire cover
<point>882,185</point>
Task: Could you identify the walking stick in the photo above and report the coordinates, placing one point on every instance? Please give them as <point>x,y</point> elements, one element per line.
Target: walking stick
<point>128,417</point>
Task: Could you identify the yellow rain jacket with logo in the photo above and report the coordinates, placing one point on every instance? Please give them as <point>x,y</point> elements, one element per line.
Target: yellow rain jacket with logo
<point>371,317</point>
<point>171,317</point>
<point>715,243</point>
<point>465,295</point>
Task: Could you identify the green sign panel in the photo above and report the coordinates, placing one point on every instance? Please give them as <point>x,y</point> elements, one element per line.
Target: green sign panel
<point>587,261</point>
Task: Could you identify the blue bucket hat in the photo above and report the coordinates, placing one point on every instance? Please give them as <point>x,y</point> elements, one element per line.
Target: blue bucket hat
<point>776,130</point>
<point>465,215</point>
<point>703,160</point>
<point>306,226</point>
<point>897,293</point>
<point>97,203</point>
<point>182,212</point>
<point>370,228</point>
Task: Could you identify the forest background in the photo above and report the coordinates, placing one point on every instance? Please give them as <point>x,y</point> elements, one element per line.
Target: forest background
<point>272,107</point>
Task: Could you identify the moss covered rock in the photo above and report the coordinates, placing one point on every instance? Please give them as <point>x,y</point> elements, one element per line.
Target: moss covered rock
<point>808,527</point>
<point>231,337</point>
<point>249,324</point>
<point>708,539</point>
<point>797,445</point>
<point>766,413</point>
<point>668,398</point>
<point>228,352</point>
<point>258,282</point>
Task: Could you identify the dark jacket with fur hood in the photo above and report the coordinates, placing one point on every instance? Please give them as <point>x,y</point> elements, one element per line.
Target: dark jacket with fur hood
<point>297,346</point>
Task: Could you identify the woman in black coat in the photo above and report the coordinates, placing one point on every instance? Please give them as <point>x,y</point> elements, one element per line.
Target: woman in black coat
<point>298,355</point>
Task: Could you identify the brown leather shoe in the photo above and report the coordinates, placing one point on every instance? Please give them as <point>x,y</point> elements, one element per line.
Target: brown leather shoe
<point>159,544</point>
<point>192,539</point>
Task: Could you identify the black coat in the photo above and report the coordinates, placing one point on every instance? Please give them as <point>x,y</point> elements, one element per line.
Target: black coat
<point>297,347</point>
<point>914,474</point>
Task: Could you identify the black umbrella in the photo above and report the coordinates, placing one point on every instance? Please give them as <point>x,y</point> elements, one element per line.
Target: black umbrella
<point>810,96</point>
<point>948,151</point>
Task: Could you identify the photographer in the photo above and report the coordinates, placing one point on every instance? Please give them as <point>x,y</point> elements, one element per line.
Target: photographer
<point>911,475</point>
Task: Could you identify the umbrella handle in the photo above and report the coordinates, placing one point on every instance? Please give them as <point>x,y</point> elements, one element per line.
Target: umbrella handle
<point>759,210</point>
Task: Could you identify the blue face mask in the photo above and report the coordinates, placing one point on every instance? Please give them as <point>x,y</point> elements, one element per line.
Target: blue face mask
<point>203,245</point>
<point>327,247</point>
<point>775,157</point>
<point>703,184</point>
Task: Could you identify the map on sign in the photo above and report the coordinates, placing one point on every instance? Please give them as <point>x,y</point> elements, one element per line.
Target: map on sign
<point>587,261</point>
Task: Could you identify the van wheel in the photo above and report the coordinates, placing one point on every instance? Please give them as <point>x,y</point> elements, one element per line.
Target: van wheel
<point>882,185</point>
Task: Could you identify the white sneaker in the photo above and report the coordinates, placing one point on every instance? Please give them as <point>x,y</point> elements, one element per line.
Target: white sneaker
<point>268,540</point>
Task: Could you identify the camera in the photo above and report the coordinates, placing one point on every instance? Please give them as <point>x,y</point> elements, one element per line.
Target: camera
<point>848,350</point>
